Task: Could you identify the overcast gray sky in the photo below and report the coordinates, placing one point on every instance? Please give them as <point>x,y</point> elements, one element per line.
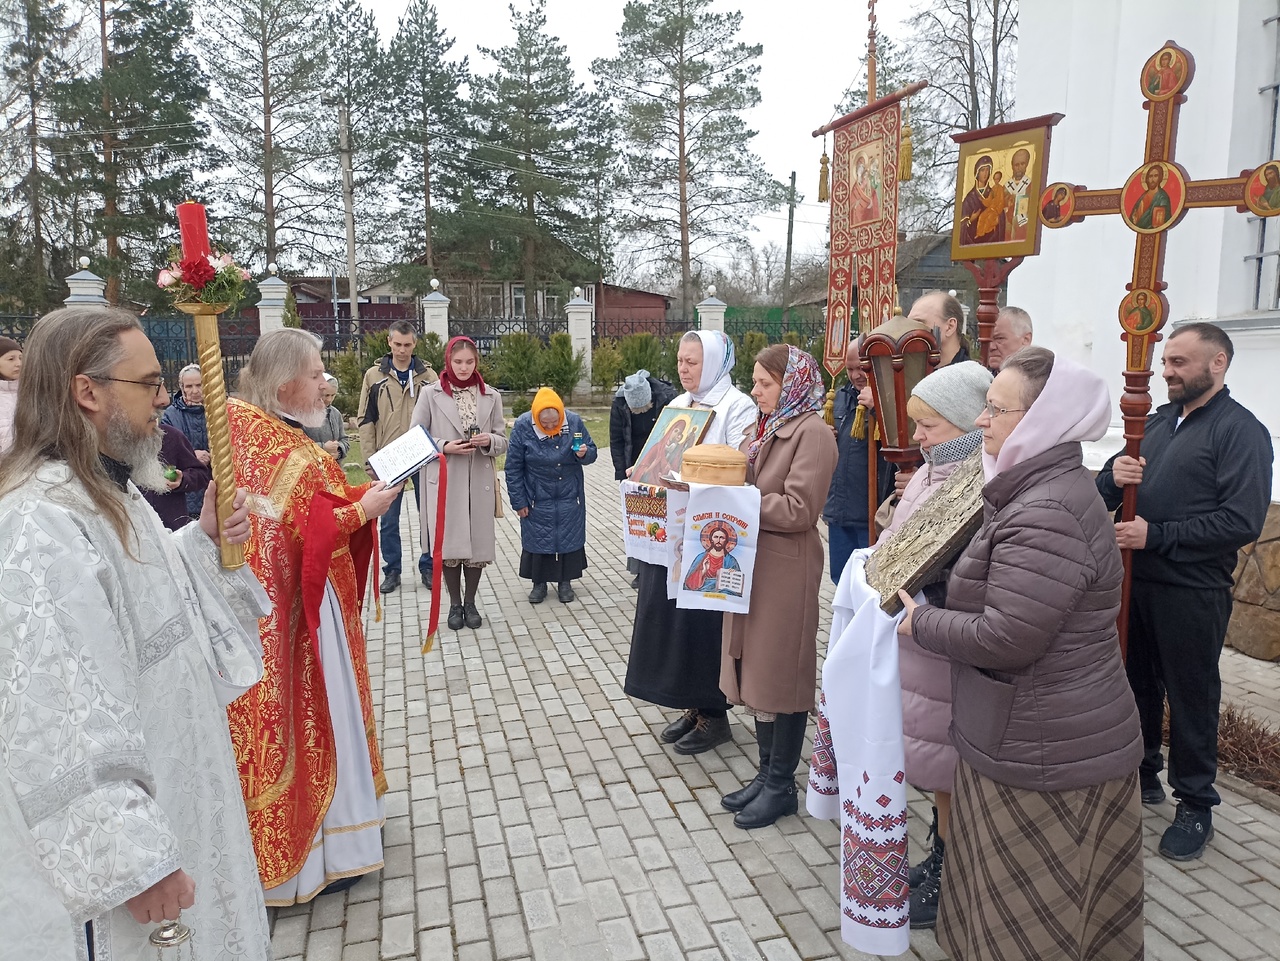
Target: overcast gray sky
<point>811,53</point>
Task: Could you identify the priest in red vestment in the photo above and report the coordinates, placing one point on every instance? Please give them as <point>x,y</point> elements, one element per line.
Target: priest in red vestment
<point>304,737</point>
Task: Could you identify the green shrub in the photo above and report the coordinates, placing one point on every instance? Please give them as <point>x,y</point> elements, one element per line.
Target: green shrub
<point>349,368</point>
<point>520,402</point>
<point>667,368</point>
<point>515,363</point>
<point>561,367</point>
<point>751,343</point>
<point>642,352</point>
<point>606,366</point>
<point>431,350</point>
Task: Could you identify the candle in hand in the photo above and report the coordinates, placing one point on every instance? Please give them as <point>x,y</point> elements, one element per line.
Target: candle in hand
<point>194,229</point>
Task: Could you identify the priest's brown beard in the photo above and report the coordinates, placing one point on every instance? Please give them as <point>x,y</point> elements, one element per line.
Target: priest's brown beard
<point>139,450</point>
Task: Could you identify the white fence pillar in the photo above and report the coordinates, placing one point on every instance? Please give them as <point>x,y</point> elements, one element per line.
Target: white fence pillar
<point>581,314</point>
<point>84,287</point>
<point>711,311</point>
<point>271,306</point>
<point>435,313</point>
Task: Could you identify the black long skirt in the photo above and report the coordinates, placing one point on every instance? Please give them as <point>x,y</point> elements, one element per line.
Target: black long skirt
<point>675,654</point>
<point>553,568</point>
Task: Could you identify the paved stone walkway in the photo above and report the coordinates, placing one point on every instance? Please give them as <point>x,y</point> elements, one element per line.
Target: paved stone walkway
<point>533,814</point>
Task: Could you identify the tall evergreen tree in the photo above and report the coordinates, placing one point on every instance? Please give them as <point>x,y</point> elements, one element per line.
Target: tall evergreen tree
<point>35,62</point>
<point>430,126</point>
<point>360,85</point>
<point>527,162</point>
<point>681,83</point>
<point>133,127</point>
<point>268,66</point>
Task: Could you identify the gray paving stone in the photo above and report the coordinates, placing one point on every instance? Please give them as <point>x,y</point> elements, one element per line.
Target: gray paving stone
<point>509,939</point>
<point>527,790</point>
<point>435,943</point>
<point>398,939</point>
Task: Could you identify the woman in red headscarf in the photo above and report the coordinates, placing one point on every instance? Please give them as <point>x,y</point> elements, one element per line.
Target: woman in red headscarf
<point>464,417</point>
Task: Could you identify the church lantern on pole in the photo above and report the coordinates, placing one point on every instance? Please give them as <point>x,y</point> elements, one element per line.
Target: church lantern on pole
<point>898,354</point>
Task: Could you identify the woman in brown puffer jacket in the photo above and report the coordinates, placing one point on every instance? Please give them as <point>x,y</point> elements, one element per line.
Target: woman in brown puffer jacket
<point>1045,855</point>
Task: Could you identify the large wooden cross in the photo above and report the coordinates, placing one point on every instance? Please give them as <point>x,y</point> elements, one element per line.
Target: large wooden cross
<point>1154,198</point>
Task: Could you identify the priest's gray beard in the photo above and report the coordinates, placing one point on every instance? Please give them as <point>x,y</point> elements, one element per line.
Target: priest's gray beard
<point>308,418</point>
<point>141,451</point>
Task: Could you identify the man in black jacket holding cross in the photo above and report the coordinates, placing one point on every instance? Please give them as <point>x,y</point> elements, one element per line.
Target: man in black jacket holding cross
<point>1205,485</point>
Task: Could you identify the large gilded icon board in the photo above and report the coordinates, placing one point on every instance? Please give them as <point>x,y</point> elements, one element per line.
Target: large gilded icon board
<point>998,183</point>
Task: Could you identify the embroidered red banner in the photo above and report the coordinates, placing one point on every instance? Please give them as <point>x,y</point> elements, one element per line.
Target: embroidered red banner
<point>864,228</point>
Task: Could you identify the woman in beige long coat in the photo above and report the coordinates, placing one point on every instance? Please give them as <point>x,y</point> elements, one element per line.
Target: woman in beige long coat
<point>464,417</point>
<point>769,661</point>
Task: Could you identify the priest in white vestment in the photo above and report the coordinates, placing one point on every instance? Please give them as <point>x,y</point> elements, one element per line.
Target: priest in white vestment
<point>120,645</point>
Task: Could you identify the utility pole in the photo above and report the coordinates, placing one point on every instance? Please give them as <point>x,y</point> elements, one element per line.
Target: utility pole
<point>110,175</point>
<point>348,203</point>
<point>786,270</point>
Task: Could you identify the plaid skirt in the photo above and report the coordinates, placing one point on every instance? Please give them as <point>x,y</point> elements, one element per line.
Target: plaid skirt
<point>1032,875</point>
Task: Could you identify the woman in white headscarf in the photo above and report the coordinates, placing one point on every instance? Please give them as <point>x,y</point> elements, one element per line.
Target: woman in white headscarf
<point>675,654</point>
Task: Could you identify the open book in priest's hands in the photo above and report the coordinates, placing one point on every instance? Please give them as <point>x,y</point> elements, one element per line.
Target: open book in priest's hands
<point>404,456</point>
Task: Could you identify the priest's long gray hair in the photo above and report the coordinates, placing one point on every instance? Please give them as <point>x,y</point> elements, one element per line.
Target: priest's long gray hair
<point>48,423</point>
<point>279,357</point>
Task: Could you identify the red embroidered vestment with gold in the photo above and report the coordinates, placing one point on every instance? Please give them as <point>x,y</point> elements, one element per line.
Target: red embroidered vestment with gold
<point>307,529</point>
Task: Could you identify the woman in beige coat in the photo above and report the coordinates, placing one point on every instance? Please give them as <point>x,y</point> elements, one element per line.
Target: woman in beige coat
<point>769,661</point>
<point>464,417</point>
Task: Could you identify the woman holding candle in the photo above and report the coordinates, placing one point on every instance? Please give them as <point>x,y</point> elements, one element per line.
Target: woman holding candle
<point>464,417</point>
<point>549,447</point>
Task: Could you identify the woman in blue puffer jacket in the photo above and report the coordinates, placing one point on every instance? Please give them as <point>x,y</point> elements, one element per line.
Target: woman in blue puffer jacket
<point>548,448</point>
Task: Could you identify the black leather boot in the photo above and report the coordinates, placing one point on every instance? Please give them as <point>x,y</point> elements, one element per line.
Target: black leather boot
<point>923,907</point>
<point>737,800</point>
<point>778,796</point>
<point>918,872</point>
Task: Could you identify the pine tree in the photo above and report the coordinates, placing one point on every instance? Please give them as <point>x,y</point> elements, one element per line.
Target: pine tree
<point>429,123</point>
<point>35,62</point>
<point>268,67</point>
<point>681,83</point>
<point>132,125</point>
<point>527,163</point>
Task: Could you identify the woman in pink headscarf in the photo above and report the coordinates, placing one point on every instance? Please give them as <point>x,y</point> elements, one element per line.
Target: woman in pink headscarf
<point>1045,854</point>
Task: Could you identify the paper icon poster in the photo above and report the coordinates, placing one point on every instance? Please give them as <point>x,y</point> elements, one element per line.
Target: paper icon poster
<point>644,522</point>
<point>721,530</point>
<point>677,509</point>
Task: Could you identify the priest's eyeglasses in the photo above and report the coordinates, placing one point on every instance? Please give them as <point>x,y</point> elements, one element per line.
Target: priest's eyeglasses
<point>993,411</point>
<point>155,385</point>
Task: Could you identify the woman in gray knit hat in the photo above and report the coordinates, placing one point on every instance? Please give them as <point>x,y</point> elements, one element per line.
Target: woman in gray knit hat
<point>944,406</point>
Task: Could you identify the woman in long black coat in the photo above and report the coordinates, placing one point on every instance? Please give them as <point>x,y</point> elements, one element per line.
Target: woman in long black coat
<point>547,450</point>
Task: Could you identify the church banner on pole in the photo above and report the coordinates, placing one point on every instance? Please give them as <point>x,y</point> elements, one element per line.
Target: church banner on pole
<point>864,221</point>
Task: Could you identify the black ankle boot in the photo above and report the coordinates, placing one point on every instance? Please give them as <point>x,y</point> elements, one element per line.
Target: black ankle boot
<point>737,800</point>
<point>777,798</point>
<point>918,872</point>
<point>923,907</point>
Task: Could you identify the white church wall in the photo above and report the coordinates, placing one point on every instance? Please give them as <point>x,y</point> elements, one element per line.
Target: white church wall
<point>1083,58</point>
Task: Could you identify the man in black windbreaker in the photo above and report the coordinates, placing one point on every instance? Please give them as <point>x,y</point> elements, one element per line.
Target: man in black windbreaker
<point>1205,485</point>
